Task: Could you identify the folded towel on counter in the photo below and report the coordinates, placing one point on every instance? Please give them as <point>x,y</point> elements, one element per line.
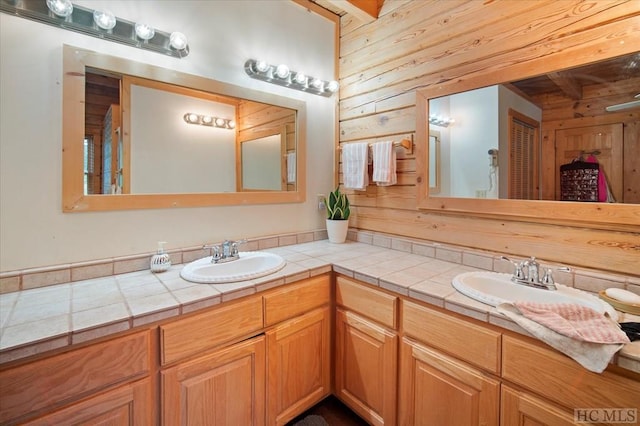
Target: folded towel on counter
<point>589,337</point>
<point>384,164</point>
<point>291,167</point>
<point>355,160</point>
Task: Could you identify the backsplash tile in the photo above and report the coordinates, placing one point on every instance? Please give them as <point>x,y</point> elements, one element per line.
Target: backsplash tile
<point>596,281</point>
<point>81,272</point>
<point>46,278</point>
<point>9,283</point>
<point>592,281</point>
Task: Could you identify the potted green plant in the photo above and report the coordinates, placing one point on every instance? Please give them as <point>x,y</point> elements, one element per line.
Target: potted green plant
<point>338,213</point>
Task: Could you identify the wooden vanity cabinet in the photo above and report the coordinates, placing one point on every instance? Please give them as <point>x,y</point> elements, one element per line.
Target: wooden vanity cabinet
<point>551,385</point>
<point>518,408</point>
<point>223,387</point>
<point>261,360</point>
<point>214,366</point>
<point>366,347</point>
<point>127,405</point>
<point>447,370</point>
<point>103,383</point>
<point>298,342</point>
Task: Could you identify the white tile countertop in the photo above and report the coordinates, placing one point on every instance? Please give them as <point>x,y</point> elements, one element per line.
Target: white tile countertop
<point>38,320</point>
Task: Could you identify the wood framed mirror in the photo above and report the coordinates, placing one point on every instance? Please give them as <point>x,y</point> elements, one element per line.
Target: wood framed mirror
<point>543,204</point>
<point>112,195</point>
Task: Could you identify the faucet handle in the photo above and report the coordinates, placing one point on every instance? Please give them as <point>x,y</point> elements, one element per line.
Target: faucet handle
<point>518,271</point>
<point>234,246</point>
<point>215,251</point>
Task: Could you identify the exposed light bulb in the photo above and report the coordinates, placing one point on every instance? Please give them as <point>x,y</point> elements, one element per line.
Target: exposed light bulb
<point>144,31</point>
<point>62,8</point>
<point>178,40</point>
<point>206,119</point>
<point>282,71</point>
<point>262,66</point>
<point>333,86</point>
<point>220,122</point>
<point>191,117</point>
<point>300,78</point>
<point>317,83</point>
<point>104,19</point>
<point>232,124</point>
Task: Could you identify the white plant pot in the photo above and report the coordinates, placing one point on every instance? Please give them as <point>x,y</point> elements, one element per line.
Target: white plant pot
<point>337,230</point>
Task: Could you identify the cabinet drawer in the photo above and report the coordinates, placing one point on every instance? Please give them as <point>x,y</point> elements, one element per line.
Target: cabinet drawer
<point>475,344</point>
<point>48,382</point>
<point>189,336</point>
<point>376,305</point>
<point>547,372</point>
<point>296,299</point>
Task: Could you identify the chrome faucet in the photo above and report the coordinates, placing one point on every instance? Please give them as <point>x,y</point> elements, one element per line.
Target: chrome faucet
<point>528,273</point>
<point>225,252</point>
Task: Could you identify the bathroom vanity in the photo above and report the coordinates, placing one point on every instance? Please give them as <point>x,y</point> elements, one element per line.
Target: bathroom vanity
<point>393,354</point>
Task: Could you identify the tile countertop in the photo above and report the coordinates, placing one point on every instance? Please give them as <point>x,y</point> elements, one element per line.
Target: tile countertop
<point>38,320</point>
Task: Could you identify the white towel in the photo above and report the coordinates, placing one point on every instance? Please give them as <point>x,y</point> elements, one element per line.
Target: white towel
<point>355,159</point>
<point>291,167</point>
<point>590,338</point>
<point>384,164</point>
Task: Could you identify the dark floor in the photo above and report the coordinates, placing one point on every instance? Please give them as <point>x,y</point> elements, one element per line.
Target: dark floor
<point>334,412</point>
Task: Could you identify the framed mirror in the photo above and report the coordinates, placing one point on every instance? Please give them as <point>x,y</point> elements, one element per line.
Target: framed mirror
<point>161,138</point>
<point>503,153</point>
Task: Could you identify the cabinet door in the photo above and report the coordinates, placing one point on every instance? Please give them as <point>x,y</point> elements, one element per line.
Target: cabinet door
<point>222,388</point>
<point>436,389</point>
<point>298,365</point>
<point>365,371</point>
<point>128,405</point>
<point>522,409</point>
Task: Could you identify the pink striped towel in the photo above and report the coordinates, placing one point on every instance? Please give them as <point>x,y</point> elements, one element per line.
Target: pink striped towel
<point>575,321</point>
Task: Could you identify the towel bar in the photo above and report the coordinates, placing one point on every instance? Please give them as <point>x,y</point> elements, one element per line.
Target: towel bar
<point>405,143</point>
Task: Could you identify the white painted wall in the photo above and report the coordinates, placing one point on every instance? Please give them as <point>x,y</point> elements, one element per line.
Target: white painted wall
<point>222,35</point>
<point>473,134</point>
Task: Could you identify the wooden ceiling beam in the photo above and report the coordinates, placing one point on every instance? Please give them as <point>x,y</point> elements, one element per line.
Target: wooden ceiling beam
<point>567,84</point>
<point>364,10</point>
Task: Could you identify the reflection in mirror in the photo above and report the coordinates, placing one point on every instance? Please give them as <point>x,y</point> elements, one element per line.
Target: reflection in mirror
<point>128,142</point>
<point>263,165</point>
<point>162,150</point>
<point>509,141</point>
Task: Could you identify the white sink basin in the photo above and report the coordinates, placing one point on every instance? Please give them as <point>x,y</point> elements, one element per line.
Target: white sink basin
<point>494,288</point>
<point>252,264</point>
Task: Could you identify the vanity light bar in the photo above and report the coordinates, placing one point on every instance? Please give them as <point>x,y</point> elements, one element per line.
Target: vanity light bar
<point>101,24</point>
<point>438,120</point>
<point>283,76</point>
<point>208,120</point>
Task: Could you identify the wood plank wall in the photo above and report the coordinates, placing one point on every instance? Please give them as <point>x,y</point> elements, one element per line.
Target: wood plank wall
<point>416,44</point>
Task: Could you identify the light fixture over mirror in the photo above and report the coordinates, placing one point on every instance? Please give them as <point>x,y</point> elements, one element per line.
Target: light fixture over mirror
<point>135,149</point>
<point>564,115</point>
<point>98,23</point>
<point>283,76</point>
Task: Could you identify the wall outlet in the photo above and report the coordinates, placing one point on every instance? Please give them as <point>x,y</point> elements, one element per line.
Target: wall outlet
<point>321,205</point>
<point>481,193</point>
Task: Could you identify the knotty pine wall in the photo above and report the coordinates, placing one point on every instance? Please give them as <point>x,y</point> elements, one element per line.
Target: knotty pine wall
<point>416,44</point>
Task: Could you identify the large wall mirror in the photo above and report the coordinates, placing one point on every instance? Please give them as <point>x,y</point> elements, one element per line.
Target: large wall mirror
<point>138,136</point>
<point>561,146</point>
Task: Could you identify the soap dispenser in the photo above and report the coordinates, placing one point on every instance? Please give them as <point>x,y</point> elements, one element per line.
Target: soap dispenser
<point>160,261</point>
